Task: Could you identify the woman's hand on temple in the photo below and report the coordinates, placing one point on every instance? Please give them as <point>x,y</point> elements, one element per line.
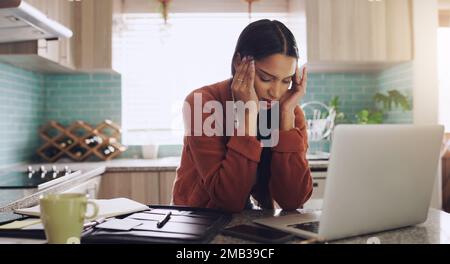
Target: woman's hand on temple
<point>243,88</point>
<point>291,99</point>
<point>243,84</point>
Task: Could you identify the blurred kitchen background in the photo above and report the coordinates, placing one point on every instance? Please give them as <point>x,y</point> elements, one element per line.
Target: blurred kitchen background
<point>132,62</point>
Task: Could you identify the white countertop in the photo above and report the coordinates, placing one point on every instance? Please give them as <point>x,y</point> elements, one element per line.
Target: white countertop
<point>19,198</point>
<point>162,164</point>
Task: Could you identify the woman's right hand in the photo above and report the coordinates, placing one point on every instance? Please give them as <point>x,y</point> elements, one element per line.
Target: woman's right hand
<point>243,84</point>
<point>243,89</point>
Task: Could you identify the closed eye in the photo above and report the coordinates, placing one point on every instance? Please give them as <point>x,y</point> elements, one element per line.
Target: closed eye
<point>264,79</point>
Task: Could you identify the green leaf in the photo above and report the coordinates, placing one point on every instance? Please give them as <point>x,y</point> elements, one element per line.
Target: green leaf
<point>335,104</point>
<point>393,97</point>
<point>369,117</point>
<point>376,118</point>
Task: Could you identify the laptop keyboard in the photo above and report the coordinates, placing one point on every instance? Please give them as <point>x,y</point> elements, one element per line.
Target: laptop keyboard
<point>308,226</point>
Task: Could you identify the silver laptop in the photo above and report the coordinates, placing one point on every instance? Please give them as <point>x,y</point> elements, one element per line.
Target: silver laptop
<point>380,177</point>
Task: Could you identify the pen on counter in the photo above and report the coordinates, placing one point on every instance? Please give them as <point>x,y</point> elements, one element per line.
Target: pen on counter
<point>166,218</point>
<point>91,224</point>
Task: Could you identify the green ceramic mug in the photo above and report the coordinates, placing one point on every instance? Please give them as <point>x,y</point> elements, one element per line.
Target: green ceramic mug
<point>63,216</point>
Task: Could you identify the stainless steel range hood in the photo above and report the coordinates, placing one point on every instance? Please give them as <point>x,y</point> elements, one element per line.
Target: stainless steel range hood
<point>20,21</point>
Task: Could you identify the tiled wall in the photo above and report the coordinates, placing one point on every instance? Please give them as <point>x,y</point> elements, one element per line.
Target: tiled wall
<point>88,97</point>
<point>397,78</point>
<point>22,98</point>
<point>355,90</point>
<point>28,100</point>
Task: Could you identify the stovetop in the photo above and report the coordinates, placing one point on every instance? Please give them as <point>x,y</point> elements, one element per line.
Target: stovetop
<point>39,177</point>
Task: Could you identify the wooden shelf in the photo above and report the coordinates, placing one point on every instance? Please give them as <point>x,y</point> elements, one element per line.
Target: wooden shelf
<point>80,141</point>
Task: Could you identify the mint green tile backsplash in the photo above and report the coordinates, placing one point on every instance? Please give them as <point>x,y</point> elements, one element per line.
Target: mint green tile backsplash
<point>22,98</point>
<point>355,90</point>
<point>88,97</point>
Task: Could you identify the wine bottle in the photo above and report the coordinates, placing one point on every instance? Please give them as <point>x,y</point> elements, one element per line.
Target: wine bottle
<point>65,142</point>
<point>93,141</point>
<point>108,150</point>
<point>78,151</point>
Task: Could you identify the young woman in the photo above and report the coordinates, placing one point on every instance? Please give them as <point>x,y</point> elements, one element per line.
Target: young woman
<point>223,172</point>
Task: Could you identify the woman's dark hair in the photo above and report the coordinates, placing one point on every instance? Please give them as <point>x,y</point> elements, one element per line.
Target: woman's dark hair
<point>264,38</point>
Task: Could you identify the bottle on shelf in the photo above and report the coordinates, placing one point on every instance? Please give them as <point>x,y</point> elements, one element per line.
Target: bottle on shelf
<point>108,150</point>
<point>93,141</point>
<point>78,151</point>
<point>66,142</point>
<point>80,140</point>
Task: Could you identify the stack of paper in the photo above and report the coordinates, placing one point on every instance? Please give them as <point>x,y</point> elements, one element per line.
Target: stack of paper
<point>107,208</point>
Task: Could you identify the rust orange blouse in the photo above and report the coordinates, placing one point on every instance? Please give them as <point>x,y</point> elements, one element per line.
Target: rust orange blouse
<point>220,171</point>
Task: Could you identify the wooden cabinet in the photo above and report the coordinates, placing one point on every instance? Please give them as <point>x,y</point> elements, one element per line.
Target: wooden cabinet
<point>93,34</point>
<point>399,30</point>
<point>144,187</point>
<point>444,18</point>
<point>60,50</point>
<point>89,49</point>
<point>359,31</point>
<point>56,50</point>
<point>166,180</point>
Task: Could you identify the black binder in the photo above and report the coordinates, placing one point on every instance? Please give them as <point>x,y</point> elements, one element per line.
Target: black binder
<point>186,225</point>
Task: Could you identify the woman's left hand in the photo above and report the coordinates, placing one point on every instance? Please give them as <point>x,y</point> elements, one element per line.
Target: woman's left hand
<point>292,98</point>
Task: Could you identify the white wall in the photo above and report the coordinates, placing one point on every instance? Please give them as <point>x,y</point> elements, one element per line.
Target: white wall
<point>425,80</point>
<point>425,23</point>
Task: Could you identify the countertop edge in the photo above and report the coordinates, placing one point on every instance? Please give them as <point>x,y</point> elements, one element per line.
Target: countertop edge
<point>141,169</point>
<point>33,199</point>
<point>168,164</point>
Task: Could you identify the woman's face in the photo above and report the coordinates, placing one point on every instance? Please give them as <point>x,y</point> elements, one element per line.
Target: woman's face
<point>273,76</point>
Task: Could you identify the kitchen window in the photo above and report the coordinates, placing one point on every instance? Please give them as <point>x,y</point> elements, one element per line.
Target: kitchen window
<point>161,64</point>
